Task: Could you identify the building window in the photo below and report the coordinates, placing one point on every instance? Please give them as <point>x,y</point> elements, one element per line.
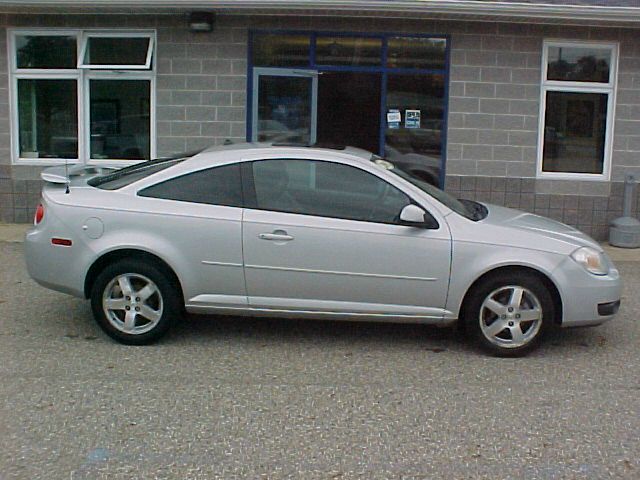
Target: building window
<point>109,51</point>
<point>48,118</point>
<point>82,96</point>
<point>576,110</point>
<point>119,113</point>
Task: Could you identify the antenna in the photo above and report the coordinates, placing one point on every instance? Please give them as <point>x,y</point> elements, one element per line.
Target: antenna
<point>66,174</point>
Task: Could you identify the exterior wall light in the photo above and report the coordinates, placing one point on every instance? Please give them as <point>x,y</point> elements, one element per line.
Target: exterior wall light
<point>201,21</point>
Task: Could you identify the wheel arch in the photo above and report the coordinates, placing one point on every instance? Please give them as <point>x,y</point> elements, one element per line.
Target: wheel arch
<point>510,269</point>
<point>129,253</point>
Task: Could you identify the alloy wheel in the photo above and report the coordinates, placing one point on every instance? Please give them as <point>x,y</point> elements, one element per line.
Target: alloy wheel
<point>132,303</point>
<point>510,316</point>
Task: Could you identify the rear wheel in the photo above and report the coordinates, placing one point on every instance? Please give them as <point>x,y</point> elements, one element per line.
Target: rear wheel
<point>509,313</point>
<point>134,302</point>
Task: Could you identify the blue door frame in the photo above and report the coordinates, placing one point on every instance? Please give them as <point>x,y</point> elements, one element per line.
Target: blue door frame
<point>382,69</point>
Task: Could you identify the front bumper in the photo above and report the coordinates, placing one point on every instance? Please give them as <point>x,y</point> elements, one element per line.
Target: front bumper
<point>587,299</point>
<point>609,308</point>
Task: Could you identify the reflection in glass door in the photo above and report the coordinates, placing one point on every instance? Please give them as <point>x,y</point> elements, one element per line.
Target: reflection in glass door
<point>414,141</point>
<point>349,109</point>
<point>284,105</point>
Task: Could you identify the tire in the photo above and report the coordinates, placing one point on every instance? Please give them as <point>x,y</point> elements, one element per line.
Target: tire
<point>142,317</point>
<point>520,303</point>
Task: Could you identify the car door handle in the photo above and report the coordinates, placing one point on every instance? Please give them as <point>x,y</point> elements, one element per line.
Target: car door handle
<point>277,236</point>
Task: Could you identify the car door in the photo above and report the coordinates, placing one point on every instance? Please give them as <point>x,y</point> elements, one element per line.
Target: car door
<point>325,237</point>
<point>199,215</point>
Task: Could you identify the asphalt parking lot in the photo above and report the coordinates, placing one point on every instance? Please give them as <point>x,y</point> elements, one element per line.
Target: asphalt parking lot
<point>246,398</point>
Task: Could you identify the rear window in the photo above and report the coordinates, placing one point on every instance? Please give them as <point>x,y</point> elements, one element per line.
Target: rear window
<point>128,175</point>
<point>213,186</point>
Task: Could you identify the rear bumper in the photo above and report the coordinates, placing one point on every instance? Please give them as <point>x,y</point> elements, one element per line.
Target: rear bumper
<point>53,266</point>
<point>588,299</point>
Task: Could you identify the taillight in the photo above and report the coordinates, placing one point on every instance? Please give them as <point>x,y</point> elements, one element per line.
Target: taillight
<point>39,214</point>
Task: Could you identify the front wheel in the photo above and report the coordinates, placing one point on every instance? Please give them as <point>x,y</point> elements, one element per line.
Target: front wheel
<point>509,313</point>
<point>134,302</point>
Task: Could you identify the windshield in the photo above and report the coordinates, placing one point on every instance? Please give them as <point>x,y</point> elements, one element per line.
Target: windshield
<point>128,175</point>
<point>466,208</point>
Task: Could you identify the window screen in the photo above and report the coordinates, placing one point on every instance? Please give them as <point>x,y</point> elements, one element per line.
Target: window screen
<point>214,186</point>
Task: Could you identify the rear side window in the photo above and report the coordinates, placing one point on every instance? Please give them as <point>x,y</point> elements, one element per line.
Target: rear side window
<point>213,186</point>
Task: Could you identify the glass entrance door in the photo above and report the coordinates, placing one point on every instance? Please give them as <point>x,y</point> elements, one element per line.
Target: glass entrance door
<point>284,105</point>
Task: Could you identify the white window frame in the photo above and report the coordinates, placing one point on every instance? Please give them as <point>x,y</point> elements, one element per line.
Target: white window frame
<point>17,74</point>
<point>82,77</point>
<point>579,87</point>
<point>87,35</point>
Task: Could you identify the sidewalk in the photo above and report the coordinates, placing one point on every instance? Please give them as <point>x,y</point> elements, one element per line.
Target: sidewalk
<point>13,232</point>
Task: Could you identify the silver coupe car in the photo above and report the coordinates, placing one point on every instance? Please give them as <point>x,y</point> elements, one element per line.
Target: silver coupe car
<point>295,231</point>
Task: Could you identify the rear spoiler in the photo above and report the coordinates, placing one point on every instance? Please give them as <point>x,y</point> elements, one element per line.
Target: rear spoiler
<point>63,175</point>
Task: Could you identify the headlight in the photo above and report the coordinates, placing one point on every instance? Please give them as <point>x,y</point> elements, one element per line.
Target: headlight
<point>592,260</point>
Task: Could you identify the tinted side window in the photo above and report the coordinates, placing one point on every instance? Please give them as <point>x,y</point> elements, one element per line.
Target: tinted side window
<point>326,189</point>
<point>214,186</point>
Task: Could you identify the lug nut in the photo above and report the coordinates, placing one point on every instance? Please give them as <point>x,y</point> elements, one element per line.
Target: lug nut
<point>137,299</point>
<point>128,299</point>
<point>511,309</point>
<point>511,324</point>
<point>127,308</point>
<point>517,315</point>
<point>137,309</point>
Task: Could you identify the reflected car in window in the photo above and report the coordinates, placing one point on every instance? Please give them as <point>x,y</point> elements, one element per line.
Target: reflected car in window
<point>293,231</point>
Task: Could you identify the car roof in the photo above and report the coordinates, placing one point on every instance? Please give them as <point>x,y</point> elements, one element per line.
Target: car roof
<point>216,153</point>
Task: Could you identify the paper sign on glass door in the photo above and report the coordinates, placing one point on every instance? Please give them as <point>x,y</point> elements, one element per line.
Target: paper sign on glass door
<point>412,119</point>
<point>394,118</point>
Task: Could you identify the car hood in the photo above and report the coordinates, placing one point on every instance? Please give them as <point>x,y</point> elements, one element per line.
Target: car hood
<point>528,223</point>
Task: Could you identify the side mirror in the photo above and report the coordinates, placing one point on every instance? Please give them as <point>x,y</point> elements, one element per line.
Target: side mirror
<point>413,215</point>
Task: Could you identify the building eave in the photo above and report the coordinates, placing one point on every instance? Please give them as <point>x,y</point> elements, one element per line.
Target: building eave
<point>496,9</point>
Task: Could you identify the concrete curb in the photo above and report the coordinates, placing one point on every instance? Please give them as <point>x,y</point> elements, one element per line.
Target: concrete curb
<point>14,233</point>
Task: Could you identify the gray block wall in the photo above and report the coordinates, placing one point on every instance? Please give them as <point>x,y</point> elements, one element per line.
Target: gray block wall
<point>495,100</point>
<point>493,104</point>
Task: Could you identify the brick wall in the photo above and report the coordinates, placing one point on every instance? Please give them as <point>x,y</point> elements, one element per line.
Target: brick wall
<point>201,85</point>
<point>493,103</point>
